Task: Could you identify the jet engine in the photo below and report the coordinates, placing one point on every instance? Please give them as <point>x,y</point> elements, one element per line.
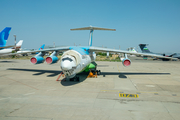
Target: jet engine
<point>126,62</point>
<point>52,58</point>
<point>38,58</point>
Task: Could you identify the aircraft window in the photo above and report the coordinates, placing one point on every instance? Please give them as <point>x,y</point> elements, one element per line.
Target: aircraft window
<point>67,59</point>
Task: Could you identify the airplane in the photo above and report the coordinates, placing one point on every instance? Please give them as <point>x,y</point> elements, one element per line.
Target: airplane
<point>76,59</point>
<point>144,49</point>
<point>5,51</point>
<point>176,55</point>
<point>131,49</point>
<point>4,34</point>
<point>24,52</point>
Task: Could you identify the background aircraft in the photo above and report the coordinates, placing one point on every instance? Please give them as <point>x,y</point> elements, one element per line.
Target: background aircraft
<point>144,49</point>
<point>24,52</point>
<point>78,59</point>
<point>4,34</point>
<point>132,49</point>
<point>10,50</point>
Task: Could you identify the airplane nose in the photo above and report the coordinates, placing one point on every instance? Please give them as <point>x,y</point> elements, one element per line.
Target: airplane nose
<point>66,65</point>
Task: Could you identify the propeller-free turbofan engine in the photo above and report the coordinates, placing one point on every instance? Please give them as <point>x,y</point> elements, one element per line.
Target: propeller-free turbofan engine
<point>126,61</point>
<point>38,58</point>
<point>52,58</point>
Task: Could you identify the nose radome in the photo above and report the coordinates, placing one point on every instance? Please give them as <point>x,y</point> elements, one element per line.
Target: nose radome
<point>66,65</point>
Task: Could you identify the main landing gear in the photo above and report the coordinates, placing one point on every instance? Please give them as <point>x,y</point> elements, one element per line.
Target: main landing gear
<point>74,79</point>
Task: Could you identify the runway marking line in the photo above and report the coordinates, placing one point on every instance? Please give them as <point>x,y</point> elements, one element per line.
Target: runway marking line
<point>118,68</point>
<point>138,92</point>
<point>29,93</point>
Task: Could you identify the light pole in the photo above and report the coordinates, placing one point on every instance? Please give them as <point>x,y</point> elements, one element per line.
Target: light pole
<point>15,41</point>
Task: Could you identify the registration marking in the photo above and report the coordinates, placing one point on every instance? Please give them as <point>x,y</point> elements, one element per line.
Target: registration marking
<point>128,95</point>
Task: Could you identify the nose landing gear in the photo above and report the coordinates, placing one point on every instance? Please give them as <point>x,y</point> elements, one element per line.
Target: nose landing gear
<point>67,79</point>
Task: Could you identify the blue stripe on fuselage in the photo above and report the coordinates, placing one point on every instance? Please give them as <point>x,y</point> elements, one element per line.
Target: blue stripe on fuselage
<point>81,50</point>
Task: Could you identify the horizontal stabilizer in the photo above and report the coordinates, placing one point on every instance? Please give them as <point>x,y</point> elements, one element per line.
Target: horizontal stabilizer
<point>6,47</point>
<point>93,28</point>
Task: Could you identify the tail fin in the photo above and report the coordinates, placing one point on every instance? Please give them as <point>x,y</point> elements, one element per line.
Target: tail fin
<point>19,44</point>
<point>4,34</point>
<point>131,49</point>
<point>91,31</point>
<point>144,49</point>
<point>42,47</point>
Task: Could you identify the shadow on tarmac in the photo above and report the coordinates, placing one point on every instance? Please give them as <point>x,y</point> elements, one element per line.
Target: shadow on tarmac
<point>5,61</point>
<point>123,74</point>
<point>39,72</point>
<point>82,76</point>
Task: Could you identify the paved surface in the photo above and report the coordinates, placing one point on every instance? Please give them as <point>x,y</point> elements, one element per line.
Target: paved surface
<point>31,92</point>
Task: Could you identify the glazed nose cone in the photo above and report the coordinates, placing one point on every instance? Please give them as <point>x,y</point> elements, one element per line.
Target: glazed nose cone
<point>66,65</point>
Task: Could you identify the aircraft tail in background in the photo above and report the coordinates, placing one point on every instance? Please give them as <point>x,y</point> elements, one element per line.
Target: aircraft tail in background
<point>4,34</point>
<point>42,47</point>
<point>18,45</point>
<point>131,49</point>
<point>144,49</point>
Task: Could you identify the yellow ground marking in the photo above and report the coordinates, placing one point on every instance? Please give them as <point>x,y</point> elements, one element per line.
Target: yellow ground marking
<point>118,68</point>
<point>128,95</point>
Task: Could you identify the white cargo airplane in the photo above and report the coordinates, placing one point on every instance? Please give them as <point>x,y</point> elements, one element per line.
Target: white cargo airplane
<point>78,59</point>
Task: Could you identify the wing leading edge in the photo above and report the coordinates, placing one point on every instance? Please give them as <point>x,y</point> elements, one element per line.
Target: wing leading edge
<point>97,49</point>
<point>58,49</point>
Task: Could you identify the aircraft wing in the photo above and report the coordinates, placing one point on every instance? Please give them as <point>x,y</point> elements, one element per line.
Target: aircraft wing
<point>58,49</point>
<point>6,47</point>
<point>98,49</point>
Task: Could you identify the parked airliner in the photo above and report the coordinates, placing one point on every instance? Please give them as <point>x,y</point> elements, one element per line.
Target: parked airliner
<point>4,34</point>
<point>78,59</point>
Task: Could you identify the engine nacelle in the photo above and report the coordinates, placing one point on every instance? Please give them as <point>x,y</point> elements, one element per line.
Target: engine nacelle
<point>126,62</point>
<point>51,59</point>
<point>37,59</point>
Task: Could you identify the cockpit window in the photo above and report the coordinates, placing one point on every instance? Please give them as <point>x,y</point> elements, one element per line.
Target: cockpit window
<point>67,59</point>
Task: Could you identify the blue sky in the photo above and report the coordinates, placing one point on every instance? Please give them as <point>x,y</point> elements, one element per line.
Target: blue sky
<point>37,22</point>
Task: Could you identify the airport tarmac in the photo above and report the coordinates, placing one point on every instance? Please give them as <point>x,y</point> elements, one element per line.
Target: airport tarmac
<point>146,90</point>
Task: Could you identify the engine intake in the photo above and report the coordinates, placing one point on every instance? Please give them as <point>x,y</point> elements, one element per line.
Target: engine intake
<point>51,59</point>
<point>37,59</point>
<point>126,62</point>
